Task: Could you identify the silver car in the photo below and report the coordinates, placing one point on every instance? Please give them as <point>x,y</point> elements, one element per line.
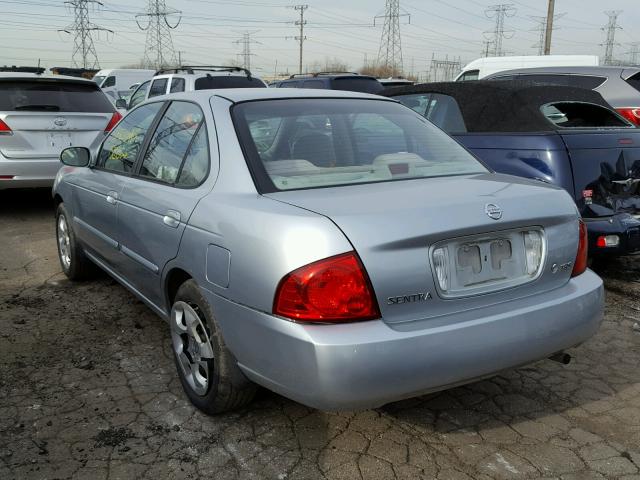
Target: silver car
<point>40,115</point>
<point>334,247</point>
<point>619,86</point>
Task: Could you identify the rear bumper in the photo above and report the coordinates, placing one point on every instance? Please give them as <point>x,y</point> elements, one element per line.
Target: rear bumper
<point>369,364</point>
<point>623,225</point>
<point>28,173</point>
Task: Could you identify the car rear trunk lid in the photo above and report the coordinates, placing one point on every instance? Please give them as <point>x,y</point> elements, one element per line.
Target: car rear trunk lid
<point>395,226</point>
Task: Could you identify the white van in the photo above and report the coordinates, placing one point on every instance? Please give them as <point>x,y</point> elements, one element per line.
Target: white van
<point>483,67</point>
<point>112,82</point>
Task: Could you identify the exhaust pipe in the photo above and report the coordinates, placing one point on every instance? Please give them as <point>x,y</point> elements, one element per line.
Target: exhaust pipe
<point>561,357</point>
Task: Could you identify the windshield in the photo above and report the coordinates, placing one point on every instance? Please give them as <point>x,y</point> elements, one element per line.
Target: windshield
<point>310,143</point>
<point>99,79</point>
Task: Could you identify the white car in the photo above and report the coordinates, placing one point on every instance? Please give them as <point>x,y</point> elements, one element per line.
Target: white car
<point>188,79</point>
<point>40,115</point>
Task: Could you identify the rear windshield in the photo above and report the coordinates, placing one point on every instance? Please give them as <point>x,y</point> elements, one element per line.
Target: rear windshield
<point>356,84</point>
<point>634,81</point>
<point>582,115</point>
<point>228,81</point>
<point>312,143</point>
<point>52,96</point>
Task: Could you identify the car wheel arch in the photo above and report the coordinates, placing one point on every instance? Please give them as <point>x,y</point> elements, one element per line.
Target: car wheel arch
<point>174,279</point>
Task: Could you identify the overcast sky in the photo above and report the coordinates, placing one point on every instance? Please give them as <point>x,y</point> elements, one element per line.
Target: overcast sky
<point>336,28</point>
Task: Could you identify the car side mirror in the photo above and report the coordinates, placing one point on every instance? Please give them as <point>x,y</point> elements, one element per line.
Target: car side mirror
<point>75,156</point>
<point>121,103</point>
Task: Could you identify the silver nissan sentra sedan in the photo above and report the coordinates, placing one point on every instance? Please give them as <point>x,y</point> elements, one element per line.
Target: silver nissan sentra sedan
<point>334,247</point>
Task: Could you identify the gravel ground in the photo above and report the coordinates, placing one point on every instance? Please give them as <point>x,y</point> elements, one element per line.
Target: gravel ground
<point>88,389</point>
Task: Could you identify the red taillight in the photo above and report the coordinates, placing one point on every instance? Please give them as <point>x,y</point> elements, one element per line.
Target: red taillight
<point>4,128</point>
<point>580,265</point>
<point>336,289</point>
<point>115,118</point>
<point>631,114</point>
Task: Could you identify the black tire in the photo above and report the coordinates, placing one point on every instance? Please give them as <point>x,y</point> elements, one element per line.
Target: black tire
<point>79,266</point>
<point>228,388</point>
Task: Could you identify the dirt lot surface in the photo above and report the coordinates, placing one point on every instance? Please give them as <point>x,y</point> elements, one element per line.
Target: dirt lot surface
<point>88,389</point>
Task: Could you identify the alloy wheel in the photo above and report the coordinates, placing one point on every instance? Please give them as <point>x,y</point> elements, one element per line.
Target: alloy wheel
<point>191,345</point>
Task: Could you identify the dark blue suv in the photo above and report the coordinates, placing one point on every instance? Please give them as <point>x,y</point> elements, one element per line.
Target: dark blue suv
<point>352,82</point>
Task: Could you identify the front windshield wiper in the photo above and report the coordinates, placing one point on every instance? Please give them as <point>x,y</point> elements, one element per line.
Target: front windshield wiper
<point>47,108</point>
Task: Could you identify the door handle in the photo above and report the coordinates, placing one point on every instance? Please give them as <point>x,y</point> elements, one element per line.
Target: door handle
<point>112,197</point>
<point>172,219</point>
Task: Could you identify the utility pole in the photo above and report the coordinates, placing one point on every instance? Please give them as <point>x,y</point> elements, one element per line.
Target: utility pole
<point>301,38</point>
<point>246,42</point>
<point>390,52</point>
<point>611,29</point>
<point>486,47</point>
<point>549,29</point>
<point>500,12</point>
<point>84,52</point>
<point>158,50</point>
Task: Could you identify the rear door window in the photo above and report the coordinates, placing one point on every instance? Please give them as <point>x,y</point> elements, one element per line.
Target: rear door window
<point>120,149</point>
<point>52,96</point>
<point>170,142</point>
<point>580,81</point>
<point>177,85</point>
<point>582,115</point>
<point>158,87</point>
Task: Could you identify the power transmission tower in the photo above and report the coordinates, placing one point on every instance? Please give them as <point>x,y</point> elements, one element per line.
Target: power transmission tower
<point>500,12</point>
<point>300,38</point>
<point>84,52</point>
<point>158,49</point>
<point>542,31</point>
<point>444,70</point>
<point>486,47</point>
<point>611,28</point>
<point>246,42</point>
<point>390,52</point>
<point>634,53</point>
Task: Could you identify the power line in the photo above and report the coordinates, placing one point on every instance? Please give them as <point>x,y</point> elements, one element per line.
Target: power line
<point>390,52</point>
<point>611,29</point>
<point>84,51</point>
<point>634,53</point>
<point>158,50</point>
<point>500,12</point>
<point>246,42</point>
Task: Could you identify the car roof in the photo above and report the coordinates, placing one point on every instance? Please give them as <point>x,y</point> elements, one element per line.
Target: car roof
<point>237,95</point>
<point>32,76</point>
<point>505,105</point>
<point>608,70</point>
